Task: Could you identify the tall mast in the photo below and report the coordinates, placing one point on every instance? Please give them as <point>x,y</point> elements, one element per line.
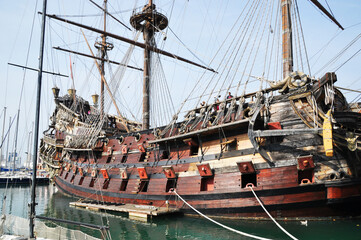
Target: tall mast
<point>36,130</point>
<point>16,140</point>
<point>103,47</point>
<point>148,21</point>
<point>2,139</point>
<point>287,49</point>
<point>148,34</point>
<point>29,147</point>
<point>102,62</point>
<point>287,55</point>
<point>7,146</point>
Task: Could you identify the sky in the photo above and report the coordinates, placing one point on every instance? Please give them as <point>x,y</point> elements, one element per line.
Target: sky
<point>200,25</point>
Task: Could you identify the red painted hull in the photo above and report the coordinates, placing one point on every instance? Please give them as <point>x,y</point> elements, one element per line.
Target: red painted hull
<point>298,201</point>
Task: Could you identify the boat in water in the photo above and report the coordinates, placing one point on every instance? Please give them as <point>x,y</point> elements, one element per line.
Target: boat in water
<point>293,144</point>
<point>23,178</point>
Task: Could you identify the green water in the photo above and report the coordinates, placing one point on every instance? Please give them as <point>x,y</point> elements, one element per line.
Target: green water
<point>54,204</point>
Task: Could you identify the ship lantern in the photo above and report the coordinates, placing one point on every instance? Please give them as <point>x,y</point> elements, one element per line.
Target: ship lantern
<point>71,92</point>
<point>95,98</point>
<point>56,91</point>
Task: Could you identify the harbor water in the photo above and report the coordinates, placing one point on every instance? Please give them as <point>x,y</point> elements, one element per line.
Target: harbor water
<point>56,205</point>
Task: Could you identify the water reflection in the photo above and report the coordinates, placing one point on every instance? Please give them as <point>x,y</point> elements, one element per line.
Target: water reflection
<point>56,205</point>
<point>15,199</point>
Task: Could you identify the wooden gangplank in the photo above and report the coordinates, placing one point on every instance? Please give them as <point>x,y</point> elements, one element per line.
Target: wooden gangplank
<point>138,211</point>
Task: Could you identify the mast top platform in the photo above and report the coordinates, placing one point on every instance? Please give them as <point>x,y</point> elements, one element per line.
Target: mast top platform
<point>149,18</point>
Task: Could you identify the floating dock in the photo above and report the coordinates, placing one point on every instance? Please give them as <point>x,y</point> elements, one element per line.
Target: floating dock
<point>134,211</point>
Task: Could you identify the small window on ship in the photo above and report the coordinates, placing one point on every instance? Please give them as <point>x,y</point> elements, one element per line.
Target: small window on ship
<point>123,185</point>
<point>81,181</point>
<point>143,186</point>
<point>249,179</point>
<point>106,183</point>
<point>207,183</point>
<point>171,183</point>
<point>92,182</point>
<point>305,176</point>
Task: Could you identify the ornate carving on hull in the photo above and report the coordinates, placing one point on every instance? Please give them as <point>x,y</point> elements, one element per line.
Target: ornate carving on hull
<point>293,81</point>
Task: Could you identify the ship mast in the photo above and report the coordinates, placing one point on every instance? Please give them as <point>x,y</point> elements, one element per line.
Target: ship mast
<point>37,120</point>
<point>103,47</point>
<point>148,34</point>
<point>148,21</point>
<point>287,54</point>
<point>287,49</point>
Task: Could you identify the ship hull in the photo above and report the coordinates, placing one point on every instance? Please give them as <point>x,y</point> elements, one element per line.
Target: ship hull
<point>302,202</point>
<point>279,149</point>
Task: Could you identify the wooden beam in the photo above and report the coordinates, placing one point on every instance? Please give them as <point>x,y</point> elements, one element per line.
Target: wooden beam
<point>37,70</point>
<point>201,131</point>
<point>138,44</point>
<point>328,77</point>
<point>98,58</point>
<point>285,132</point>
<point>319,6</point>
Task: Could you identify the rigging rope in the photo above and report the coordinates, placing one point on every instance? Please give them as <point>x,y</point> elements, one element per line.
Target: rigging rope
<point>204,72</point>
<point>267,48</point>
<point>87,134</point>
<point>278,225</point>
<point>103,202</point>
<point>22,90</point>
<point>339,54</point>
<point>161,95</point>
<point>355,54</point>
<point>183,44</point>
<point>297,50</point>
<point>258,46</point>
<point>238,39</point>
<point>278,66</point>
<point>219,224</point>
<point>248,40</point>
<point>329,8</point>
<point>2,140</point>
<point>303,37</point>
<point>241,39</point>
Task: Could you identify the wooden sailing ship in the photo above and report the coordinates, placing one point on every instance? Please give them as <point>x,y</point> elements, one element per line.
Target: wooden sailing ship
<point>295,143</point>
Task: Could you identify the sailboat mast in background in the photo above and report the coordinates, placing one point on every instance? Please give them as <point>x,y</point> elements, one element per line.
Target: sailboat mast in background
<point>37,119</point>
<point>2,140</point>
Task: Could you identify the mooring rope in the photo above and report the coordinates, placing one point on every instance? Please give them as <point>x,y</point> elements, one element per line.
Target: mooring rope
<point>278,225</point>
<point>220,224</point>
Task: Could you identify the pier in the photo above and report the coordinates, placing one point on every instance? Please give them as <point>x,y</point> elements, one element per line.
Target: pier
<point>134,211</point>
